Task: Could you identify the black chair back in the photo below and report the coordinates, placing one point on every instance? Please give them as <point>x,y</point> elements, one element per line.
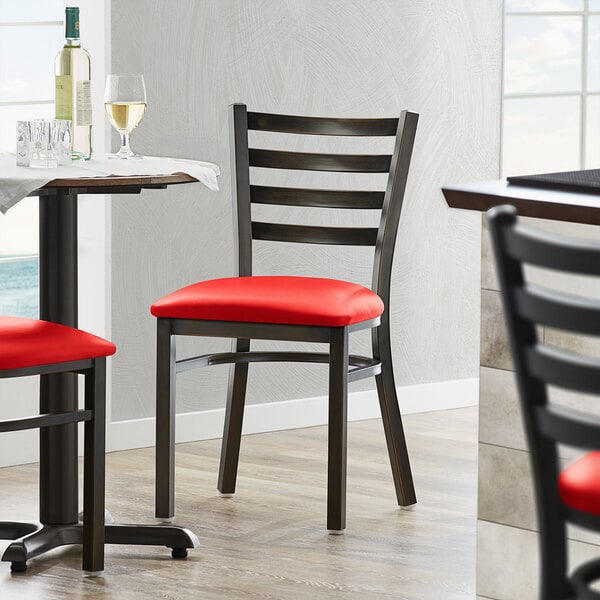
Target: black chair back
<point>389,202</point>
<point>539,365</point>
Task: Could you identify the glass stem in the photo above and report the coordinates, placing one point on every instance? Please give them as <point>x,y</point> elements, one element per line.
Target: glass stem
<point>125,149</point>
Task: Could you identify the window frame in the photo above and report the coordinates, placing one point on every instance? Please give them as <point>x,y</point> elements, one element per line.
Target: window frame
<point>46,102</point>
<point>583,93</point>
<point>28,24</point>
<point>93,257</point>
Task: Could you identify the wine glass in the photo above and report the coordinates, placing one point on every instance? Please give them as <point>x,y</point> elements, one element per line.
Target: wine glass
<point>125,105</point>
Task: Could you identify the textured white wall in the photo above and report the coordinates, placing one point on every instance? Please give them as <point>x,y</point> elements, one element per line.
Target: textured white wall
<point>326,57</point>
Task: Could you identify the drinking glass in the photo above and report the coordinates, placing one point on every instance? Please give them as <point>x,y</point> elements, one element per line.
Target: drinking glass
<point>125,105</point>
<point>43,143</point>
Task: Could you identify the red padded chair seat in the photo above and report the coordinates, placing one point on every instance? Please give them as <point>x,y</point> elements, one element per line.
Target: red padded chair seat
<point>579,484</point>
<point>273,299</point>
<point>30,343</point>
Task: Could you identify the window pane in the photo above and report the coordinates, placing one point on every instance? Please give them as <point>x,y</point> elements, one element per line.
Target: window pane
<point>18,260</point>
<point>19,229</point>
<point>595,5</point>
<point>24,77</point>
<point>28,75</point>
<point>14,11</point>
<point>544,5</point>
<point>19,286</point>
<point>9,115</point>
<point>592,150</point>
<point>540,134</point>
<point>594,55</point>
<point>543,54</point>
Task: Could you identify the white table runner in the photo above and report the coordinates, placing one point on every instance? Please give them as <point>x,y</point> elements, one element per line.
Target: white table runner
<point>17,183</point>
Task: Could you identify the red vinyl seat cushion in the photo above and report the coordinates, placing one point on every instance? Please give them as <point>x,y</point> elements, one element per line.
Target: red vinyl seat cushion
<point>579,484</point>
<point>30,343</point>
<point>273,299</point>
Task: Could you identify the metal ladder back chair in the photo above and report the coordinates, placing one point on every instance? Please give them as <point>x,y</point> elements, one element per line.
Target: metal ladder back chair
<point>294,308</point>
<point>32,347</point>
<point>570,495</point>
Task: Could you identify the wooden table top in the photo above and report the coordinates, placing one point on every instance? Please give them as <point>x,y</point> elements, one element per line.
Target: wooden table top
<point>557,205</point>
<point>125,181</point>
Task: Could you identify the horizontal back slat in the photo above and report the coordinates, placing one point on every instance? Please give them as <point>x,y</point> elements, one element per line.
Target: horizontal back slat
<point>568,426</point>
<point>317,198</point>
<point>307,161</point>
<point>563,369</point>
<point>559,310</point>
<point>345,236</point>
<point>547,250</point>
<point>321,125</point>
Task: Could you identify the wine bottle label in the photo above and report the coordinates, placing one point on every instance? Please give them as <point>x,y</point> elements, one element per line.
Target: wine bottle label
<point>84,102</point>
<point>64,97</point>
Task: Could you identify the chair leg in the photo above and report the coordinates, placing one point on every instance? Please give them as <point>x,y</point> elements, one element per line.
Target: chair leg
<point>93,469</point>
<point>554,584</point>
<point>165,421</point>
<point>553,560</point>
<point>234,416</point>
<point>337,430</point>
<point>390,414</point>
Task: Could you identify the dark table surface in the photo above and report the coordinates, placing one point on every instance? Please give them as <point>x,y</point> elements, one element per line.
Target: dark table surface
<point>558,205</point>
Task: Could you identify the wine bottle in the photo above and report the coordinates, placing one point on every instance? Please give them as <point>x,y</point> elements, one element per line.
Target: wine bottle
<point>73,87</point>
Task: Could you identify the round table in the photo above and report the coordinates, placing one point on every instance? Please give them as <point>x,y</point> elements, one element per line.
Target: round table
<point>59,520</point>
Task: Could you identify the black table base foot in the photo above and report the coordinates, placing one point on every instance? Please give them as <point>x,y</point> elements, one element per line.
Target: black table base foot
<point>171,536</point>
<point>42,539</point>
<point>33,539</point>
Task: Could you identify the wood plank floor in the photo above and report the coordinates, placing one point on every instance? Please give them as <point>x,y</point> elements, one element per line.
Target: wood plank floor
<point>269,541</point>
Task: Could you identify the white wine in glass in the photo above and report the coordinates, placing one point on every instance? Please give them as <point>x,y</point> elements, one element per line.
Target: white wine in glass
<point>125,105</point>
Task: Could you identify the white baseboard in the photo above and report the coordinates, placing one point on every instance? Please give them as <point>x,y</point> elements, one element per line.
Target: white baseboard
<point>22,447</point>
<point>293,414</point>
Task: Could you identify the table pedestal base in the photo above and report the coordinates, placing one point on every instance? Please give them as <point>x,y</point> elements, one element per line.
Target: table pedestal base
<point>33,539</point>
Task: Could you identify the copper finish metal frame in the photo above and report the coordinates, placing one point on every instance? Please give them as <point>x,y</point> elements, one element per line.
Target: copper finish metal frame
<point>382,238</point>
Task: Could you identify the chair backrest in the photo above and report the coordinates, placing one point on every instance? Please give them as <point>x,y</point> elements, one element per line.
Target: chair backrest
<point>526,305</point>
<point>389,201</point>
